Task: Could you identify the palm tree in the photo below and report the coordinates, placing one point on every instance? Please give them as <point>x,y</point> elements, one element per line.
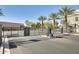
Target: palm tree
<point>56,24</point>
<point>38,27</point>
<point>65,11</point>
<point>42,18</point>
<point>47,25</point>
<point>53,16</point>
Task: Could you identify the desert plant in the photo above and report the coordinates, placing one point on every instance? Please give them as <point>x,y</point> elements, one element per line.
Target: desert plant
<point>42,18</point>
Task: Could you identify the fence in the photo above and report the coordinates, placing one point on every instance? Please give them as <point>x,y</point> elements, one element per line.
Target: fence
<point>21,33</point>
<point>13,33</point>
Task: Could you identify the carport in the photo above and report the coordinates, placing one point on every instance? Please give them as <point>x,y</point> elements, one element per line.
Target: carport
<point>9,28</point>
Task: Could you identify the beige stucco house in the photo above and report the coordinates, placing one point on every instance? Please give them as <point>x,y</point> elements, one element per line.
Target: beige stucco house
<point>73,21</point>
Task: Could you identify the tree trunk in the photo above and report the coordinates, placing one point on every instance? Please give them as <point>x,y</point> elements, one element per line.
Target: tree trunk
<point>54,25</point>
<point>34,31</point>
<point>42,25</point>
<point>66,22</point>
<point>75,28</point>
<point>62,30</point>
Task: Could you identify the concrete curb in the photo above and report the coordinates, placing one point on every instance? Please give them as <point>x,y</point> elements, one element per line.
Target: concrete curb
<point>75,34</point>
<point>72,34</point>
<point>44,36</point>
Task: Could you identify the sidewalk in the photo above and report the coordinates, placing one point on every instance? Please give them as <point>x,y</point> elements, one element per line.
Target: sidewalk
<point>71,33</point>
<point>74,34</point>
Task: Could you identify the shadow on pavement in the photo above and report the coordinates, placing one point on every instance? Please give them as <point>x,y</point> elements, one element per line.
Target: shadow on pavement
<point>59,36</point>
<point>34,40</point>
<point>12,45</point>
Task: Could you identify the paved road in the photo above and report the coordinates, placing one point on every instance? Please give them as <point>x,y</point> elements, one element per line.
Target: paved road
<point>47,46</point>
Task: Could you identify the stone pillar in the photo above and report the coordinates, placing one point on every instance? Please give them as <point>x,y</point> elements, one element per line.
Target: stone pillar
<point>0,34</point>
<point>26,31</point>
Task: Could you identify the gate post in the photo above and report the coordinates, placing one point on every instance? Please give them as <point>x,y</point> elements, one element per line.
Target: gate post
<point>0,34</point>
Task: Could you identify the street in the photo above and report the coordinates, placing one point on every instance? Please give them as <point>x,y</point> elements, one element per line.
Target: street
<point>46,46</point>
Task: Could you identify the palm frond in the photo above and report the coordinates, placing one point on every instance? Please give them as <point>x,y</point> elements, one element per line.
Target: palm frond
<point>66,11</point>
<point>42,18</point>
<point>53,16</point>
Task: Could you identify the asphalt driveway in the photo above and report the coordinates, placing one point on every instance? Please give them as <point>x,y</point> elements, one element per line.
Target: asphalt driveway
<point>46,46</point>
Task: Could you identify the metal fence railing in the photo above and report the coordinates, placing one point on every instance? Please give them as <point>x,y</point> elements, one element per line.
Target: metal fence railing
<point>21,33</point>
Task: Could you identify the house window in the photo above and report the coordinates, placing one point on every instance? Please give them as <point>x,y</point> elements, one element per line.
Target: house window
<point>76,18</point>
